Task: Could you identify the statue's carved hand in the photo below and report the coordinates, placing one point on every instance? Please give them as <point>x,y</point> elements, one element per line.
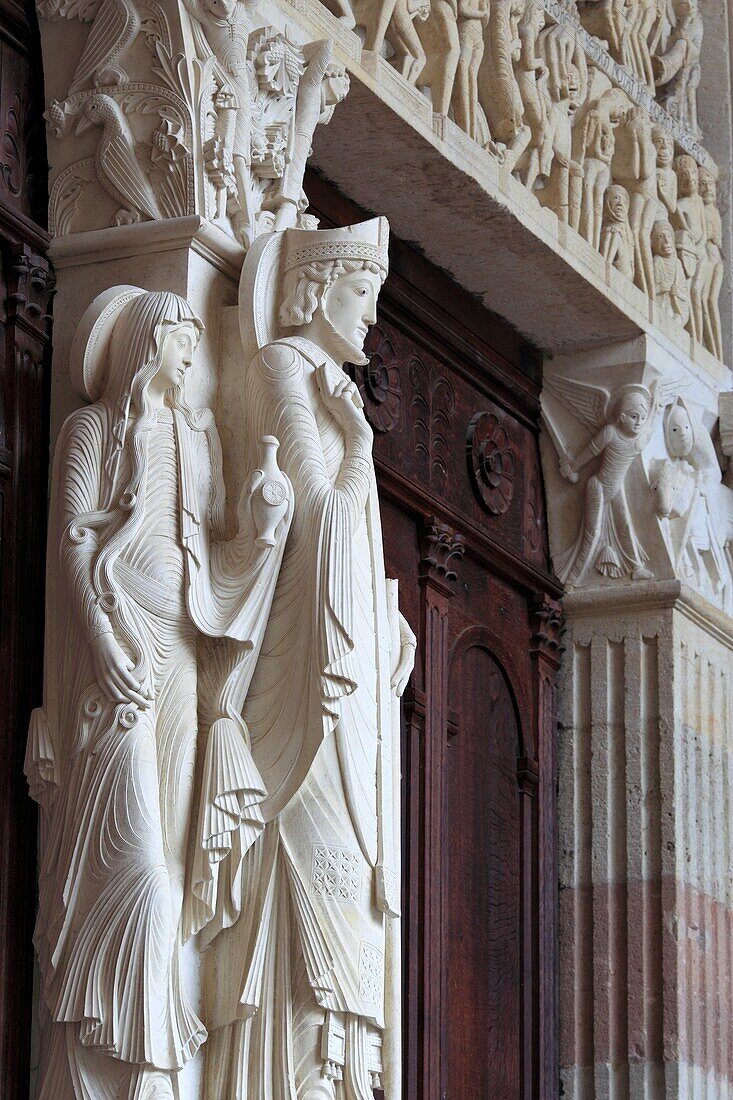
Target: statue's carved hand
<point>568,471</point>
<point>406,663</point>
<point>113,670</point>
<point>344,403</point>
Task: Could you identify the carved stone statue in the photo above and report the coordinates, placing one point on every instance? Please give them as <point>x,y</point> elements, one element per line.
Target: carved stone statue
<point>666,176</point>
<point>147,787</point>
<point>303,991</point>
<point>635,169</point>
<point>670,282</point>
<point>409,56</point>
<point>530,73</point>
<point>473,15</point>
<point>593,146</point>
<point>714,268</point>
<point>498,90</point>
<point>567,85</point>
<point>692,217</point>
<point>623,425</point>
<point>677,69</point>
<point>442,47</point>
<point>617,238</point>
<point>394,20</point>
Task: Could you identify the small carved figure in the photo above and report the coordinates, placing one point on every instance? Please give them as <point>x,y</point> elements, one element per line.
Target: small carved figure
<point>685,486</point>
<point>606,538</point>
<point>640,18</point>
<point>221,30</point>
<point>635,168</point>
<point>691,213</point>
<point>670,282</point>
<point>677,70</point>
<point>473,15</point>
<point>116,161</point>
<point>304,975</point>
<point>395,20</point>
<point>567,85</point>
<point>617,238</point>
<point>593,146</point>
<point>714,265</point>
<point>139,576</point>
<point>409,55</point>
<point>606,20</point>
<point>442,47</point>
<point>666,176</point>
<point>531,74</point>
<point>498,89</point>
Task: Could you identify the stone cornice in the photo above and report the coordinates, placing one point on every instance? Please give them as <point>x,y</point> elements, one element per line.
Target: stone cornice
<point>649,597</point>
<point>166,235</point>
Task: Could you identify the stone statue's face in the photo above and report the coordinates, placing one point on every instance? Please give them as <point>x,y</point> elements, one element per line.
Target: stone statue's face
<point>679,432</point>
<point>351,305</point>
<point>177,355</point>
<point>707,187</point>
<point>665,148</point>
<point>663,241</point>
<point>618,203</point>
<point>688,180</point>
<point>221,9</point>
<point>633,414</point>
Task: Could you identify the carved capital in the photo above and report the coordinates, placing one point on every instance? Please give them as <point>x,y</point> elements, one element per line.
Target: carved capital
<point>31,286</point>
<point>441,552</point>
<point>547,622</point>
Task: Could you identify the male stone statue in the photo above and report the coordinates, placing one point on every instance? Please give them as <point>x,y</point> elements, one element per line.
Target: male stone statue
<point>302,992</point>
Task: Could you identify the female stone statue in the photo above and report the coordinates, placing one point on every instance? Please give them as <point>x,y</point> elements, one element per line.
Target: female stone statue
<point>137,573</point>
<point>302,988</point>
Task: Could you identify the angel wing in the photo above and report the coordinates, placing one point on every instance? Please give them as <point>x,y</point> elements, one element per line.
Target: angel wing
<point>588,404</point>
<point>83,10</point>
<point>114,30</point>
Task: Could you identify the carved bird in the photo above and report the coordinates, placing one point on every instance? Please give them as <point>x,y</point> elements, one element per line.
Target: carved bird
<point>115,28</point>
<point>118,168</point>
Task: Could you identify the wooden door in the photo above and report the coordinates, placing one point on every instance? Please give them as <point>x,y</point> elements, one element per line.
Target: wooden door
<point>453,397</point>
<point>25,288</point>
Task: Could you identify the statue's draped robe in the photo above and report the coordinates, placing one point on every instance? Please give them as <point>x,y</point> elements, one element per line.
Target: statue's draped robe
<point>121,882</point>
<point>319,714</point>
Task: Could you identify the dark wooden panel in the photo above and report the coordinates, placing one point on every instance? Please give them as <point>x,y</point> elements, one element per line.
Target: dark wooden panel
<point>483,883</point>
<point>25,287</point>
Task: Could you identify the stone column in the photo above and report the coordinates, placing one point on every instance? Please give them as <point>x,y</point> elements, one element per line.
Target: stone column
<point>640,529</point>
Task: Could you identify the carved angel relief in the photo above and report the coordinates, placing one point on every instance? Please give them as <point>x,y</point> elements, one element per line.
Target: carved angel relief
<point>622,424</point>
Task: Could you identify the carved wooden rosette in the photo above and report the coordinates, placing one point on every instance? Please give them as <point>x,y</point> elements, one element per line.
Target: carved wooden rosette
<point>379,381</point>
<point>491,463</point>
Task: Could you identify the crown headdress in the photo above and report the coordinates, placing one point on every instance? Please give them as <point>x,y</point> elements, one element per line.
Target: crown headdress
<point>367,241</point>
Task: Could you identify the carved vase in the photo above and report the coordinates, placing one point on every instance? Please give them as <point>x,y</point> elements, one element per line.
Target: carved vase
<point>269,494</point>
